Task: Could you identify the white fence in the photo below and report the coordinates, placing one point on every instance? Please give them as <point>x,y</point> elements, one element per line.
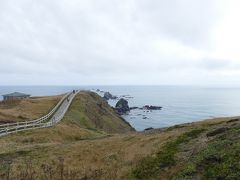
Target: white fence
<point>46,121</point>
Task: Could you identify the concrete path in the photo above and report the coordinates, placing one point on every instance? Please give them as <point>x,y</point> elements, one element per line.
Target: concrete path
<point>52,118</point>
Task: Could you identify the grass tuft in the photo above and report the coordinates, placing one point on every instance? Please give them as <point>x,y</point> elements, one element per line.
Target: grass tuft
<point>219,160</point>
<point>151,166</point>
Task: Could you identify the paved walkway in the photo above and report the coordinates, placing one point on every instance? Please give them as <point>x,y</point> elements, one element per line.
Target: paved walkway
<point>48,120</point>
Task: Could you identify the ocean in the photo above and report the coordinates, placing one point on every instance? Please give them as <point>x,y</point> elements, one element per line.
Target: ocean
<point>181,104</point>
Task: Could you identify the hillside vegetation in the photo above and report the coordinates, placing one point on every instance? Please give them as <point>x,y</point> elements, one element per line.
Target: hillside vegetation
<point>92,142</point>
<point>26,109</point>
<point>90,111</point>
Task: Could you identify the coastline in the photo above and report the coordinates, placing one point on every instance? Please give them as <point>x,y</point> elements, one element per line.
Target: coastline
<point>208,122</point>
<point>187,124</point>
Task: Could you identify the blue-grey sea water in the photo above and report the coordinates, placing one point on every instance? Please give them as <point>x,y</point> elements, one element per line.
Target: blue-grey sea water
<point>181,104</point>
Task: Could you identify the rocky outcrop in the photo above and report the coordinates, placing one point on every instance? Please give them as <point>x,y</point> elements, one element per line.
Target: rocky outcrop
<point>100,91</point>
<point>148,129</point>
<point>122,106</point>
<point>147,107</point>
<point>108,95</point>
<point>132,108</point>
<point>126,96</point>
<point>97,113</point>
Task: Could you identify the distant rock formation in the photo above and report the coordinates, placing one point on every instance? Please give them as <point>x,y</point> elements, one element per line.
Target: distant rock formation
<point>99,91</point>
<point>122,106</point>
<point>147,107</point>
<point>108,95</point>
<point>132,108</point>
<point>147,129</point>
<point>126,96</point>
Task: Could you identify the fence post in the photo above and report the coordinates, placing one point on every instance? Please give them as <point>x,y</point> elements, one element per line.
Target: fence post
<point>53,120</point>
<point>17,126</point>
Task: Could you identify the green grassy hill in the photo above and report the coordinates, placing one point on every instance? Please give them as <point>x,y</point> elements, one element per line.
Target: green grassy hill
<point>90,111</point>
<point>207,150</point>
<point>92,142</point>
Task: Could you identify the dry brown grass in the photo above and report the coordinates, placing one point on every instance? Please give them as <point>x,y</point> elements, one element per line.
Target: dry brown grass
<point>26,109</point>
<point>97,154</point>
<point>113,156</point>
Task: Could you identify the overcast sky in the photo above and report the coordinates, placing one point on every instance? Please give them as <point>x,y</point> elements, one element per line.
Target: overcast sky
<point>106,42</point>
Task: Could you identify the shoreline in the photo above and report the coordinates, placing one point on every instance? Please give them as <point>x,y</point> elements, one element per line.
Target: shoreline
<point>208,122</point>
<point>139,119</point>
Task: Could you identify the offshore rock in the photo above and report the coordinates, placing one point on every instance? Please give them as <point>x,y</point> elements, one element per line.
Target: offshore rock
<point>122,106</point>
<point>108,95</point>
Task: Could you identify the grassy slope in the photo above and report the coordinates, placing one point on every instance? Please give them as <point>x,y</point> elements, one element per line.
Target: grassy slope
<point>27,109</point>
<point>90,111</point>
<point>208,149</point>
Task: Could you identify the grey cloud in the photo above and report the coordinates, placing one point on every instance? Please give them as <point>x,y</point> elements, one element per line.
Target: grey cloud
<point>215,64</point>
<point>187,20</point>
<point>108,40</point>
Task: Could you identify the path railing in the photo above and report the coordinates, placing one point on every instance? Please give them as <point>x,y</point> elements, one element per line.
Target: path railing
<point>53,117</point>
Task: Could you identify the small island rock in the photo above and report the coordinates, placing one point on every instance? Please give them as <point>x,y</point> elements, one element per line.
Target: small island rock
<point>147,129</point>
<point>147,107</point>
<point>108,95</point>
<point>122,106</point>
